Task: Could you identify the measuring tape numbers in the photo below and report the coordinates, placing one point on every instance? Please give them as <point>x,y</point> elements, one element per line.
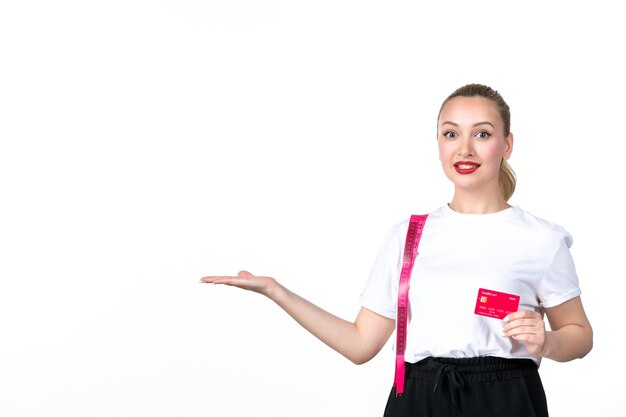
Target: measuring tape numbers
<point>413,236</point>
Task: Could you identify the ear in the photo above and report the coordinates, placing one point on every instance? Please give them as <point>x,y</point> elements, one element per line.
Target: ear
<point>509,147</point>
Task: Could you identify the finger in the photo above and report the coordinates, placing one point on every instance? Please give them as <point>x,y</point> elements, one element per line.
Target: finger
<point>523,330</point>
<point>521,323</point>
<point>520,330</point>
<point>520,315</point>
<point>213,279</point>
<point>209,279</point>
<point>526,338</point>
<point>230,281</point>
<point>535,329</point>
<point>533,344</point>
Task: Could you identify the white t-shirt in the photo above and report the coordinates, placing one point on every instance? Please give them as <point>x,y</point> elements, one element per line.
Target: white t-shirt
<point>510,251</point>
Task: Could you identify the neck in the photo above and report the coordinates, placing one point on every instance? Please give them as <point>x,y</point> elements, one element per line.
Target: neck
<point>466,202</point>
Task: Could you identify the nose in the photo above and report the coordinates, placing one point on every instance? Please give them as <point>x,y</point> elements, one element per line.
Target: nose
<point>466,147</point>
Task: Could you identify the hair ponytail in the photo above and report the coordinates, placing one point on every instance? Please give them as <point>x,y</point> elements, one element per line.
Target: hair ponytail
<point>507,180</point>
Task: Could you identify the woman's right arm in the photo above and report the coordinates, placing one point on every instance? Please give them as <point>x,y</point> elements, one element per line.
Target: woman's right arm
<point>359,341</point>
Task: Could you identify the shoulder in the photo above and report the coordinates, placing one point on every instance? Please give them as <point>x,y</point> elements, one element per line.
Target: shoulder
<point>397,232</point>
<point>542,228</point>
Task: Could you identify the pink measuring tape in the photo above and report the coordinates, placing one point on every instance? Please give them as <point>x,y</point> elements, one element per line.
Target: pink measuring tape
<point>413,236</point>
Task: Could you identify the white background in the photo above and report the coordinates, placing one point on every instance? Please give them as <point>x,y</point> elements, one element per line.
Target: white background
<point>145,144</point>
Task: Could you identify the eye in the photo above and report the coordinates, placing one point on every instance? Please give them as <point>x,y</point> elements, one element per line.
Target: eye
<point>482,134</point>
<point>450,134</point>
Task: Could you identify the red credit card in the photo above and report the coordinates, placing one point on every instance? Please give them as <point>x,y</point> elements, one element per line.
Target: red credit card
<point>495,304</point>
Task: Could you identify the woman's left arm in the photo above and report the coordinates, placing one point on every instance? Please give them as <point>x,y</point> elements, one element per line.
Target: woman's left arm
<point>570,337</point>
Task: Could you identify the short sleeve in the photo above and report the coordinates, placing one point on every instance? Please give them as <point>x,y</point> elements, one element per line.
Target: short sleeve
<point>381,290</point>
<point>560,282</point>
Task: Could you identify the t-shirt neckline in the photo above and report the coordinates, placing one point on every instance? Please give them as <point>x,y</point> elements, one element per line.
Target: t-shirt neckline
<point>502,214</point>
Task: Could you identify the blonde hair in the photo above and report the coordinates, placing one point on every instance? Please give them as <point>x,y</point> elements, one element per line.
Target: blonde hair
<point>507,178</point>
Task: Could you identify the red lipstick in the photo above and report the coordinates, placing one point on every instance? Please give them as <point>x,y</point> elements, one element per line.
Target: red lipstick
<point>465,167</point>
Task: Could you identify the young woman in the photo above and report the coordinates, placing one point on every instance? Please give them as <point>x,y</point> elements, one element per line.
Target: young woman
<point>462,363</point>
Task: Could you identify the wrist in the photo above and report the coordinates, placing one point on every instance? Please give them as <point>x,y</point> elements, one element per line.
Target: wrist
<point>275,291</point>
<point>548,345</point>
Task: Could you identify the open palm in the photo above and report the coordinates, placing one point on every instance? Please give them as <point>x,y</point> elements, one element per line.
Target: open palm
<point>244,280</point>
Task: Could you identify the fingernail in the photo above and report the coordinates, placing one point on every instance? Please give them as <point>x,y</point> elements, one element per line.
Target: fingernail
<point>506,319</point>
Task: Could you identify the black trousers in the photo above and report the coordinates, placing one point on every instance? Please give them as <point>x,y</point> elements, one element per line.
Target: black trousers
<point>470,387</point>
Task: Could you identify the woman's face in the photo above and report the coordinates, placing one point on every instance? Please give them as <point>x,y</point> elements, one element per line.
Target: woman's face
<point>472,143</point>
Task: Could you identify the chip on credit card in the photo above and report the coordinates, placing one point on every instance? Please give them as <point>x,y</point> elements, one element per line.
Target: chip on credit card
<point>490,303</point>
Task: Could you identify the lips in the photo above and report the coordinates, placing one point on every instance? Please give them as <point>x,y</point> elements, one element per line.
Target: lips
<point>466,167</point>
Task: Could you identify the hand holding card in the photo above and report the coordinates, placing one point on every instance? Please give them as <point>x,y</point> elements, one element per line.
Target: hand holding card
<point>495,304</point>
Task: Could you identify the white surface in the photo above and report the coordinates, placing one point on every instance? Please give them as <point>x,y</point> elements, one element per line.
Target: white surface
<point>146,144</point>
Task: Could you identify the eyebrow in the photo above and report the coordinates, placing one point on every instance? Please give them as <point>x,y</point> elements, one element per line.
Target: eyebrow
<point>475,124</point>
